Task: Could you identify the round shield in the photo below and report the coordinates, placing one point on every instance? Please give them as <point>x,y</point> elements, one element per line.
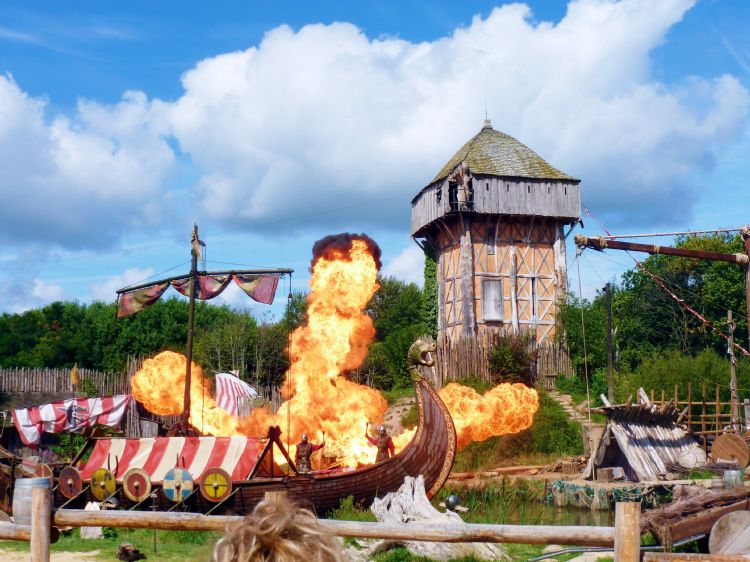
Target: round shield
<point>178,484</point>
<point>102,484</point>
<point>43,471</point>
<point>136,484</point>
<point>70,482</point>
<point>216,484</point>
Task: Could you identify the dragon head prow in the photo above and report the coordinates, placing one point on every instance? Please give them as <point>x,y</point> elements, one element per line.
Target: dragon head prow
<point>419,353</point>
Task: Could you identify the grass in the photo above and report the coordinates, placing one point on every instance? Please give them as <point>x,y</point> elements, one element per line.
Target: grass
<point>184,546</point>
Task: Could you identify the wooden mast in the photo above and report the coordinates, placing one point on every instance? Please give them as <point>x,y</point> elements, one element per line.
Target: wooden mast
<point>195,252</point>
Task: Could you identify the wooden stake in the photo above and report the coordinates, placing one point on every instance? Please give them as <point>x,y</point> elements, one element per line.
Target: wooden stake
<point>703,421</point>
<point>627,532</point>
<point>735,407</point>
<point>41,507</point>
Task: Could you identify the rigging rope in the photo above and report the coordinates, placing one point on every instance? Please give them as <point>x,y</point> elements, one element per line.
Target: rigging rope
<point>661,283</point>
<point>585,356</point>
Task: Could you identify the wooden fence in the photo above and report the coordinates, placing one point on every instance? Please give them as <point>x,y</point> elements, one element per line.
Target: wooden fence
<point>624,537</point>
<point>707,414</point>
<point>469,358</point>
<point>57,381</point>
<point>138,421</point>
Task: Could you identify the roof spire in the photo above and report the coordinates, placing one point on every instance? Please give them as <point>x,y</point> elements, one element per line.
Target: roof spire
<point>487,123</point>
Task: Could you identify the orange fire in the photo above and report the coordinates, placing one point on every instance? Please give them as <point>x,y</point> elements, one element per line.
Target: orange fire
<point>507,408</point>
<point>318,398</point>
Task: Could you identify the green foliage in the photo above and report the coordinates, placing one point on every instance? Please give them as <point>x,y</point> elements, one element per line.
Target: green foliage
<point>430,292</point>
<point>662,371</point>
<point>696,474</point>
<point>349,510</point>
<point>109,532</point>
<point>397,392</point>
<point>576,386</point>
<point>396,311</point>
<point>511,361</point>
<point>553,431</point>
<point>63,447</point>
<point>88,388</point>
<point>411,418</point>
<point>648,320</point>
<point>172,546</point>
<point>505,501</point>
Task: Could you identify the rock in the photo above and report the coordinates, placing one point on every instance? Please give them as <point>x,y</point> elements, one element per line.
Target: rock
<point>551,548</point>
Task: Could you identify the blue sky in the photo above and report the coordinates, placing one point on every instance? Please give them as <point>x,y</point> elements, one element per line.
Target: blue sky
<point>272,125</point>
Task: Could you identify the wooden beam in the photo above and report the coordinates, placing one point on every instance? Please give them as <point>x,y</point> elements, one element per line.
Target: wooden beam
<point>11,532</point>
<point>521,534</point>
<point>600,243</point>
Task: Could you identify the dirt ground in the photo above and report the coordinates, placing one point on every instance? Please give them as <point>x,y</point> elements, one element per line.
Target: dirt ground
<point>16,556</point>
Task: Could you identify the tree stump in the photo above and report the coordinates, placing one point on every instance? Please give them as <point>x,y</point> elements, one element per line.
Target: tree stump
<point>409,504</point>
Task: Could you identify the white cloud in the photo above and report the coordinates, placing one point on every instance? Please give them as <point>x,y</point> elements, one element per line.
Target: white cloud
<point>325,117</point>
<point>46,293</point>
<point>408,266</point>
<point>83,180</point>
<point>106,291</point>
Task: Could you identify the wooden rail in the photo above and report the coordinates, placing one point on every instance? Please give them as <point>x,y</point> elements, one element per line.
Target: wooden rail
<point>624,536</point>
<point>524,534</point>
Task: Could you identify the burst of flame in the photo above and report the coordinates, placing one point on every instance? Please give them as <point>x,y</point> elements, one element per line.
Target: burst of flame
<point>507,408</point>
<point>334,339</point>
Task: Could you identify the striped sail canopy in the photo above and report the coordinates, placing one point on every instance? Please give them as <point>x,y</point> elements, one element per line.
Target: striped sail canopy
<point>158,455</point>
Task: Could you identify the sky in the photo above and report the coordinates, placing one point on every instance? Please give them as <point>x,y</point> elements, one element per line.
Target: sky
<point>271,125</point>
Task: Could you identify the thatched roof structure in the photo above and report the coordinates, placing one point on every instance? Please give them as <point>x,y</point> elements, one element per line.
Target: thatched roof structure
<point>493,153</point>
<point>646,441</point>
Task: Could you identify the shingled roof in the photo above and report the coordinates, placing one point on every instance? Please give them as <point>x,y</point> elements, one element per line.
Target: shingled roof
<point>494,153</point>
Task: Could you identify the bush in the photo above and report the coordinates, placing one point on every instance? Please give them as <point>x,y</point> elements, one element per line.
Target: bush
<point>511,361</point>
<point>349,510</point>
<point>662,371</point>
<point>576,387</point>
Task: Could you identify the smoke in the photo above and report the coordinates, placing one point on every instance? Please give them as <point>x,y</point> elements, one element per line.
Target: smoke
<point>337,247</point>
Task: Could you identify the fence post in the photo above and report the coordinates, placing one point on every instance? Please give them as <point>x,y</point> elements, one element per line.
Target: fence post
<point>627,532</point>
<point>41,512</point>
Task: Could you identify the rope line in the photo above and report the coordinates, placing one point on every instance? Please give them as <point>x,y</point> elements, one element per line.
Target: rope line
<point>585,358</point>
<point>680,301</point>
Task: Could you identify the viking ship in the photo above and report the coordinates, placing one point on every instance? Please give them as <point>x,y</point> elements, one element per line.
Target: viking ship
<point>210,474</point>
<point>232,474</point>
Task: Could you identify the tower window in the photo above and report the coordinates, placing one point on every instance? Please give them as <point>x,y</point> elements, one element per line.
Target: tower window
<point>492,299</point>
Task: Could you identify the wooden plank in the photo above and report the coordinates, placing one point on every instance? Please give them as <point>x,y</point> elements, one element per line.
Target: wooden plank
<point>702,522</point>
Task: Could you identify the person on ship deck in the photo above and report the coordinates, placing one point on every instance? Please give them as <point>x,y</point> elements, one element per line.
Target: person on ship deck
<point>383,442</point>
<point>304,450</point>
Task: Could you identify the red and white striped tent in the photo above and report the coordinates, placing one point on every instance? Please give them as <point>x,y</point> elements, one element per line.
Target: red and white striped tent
<point>158,455</point>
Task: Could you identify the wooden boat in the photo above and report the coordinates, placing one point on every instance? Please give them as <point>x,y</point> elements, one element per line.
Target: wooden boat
<point>109,472</point>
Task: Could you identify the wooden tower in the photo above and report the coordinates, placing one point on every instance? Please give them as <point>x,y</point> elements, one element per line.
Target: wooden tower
<point>494,217</point>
